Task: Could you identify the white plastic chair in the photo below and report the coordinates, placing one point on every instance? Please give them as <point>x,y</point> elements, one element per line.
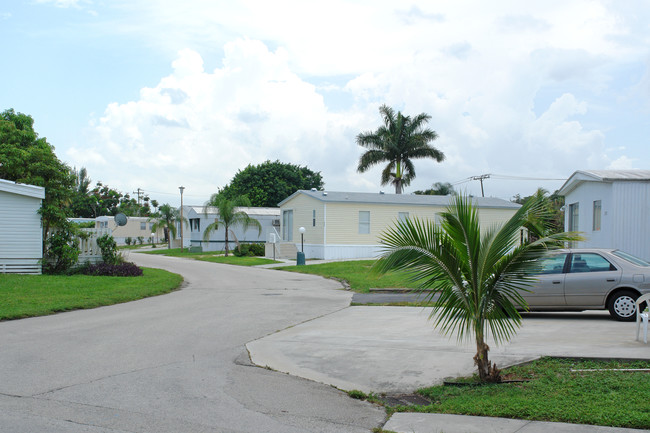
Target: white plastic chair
<point>640,316</point>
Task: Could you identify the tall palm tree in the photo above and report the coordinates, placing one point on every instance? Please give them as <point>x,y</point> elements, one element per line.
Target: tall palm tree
<point>478,274</point>
<point>166,218</point>
<point>399,140</point>
<point>230,215</point>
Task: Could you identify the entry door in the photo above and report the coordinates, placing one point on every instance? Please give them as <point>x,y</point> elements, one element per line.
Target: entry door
<point>548,291</point>
<point>287,225</point>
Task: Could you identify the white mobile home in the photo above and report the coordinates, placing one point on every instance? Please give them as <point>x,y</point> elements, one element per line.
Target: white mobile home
<point>21,233</point>
<point>199,217</point>
<point>611,208</point>
<point>342,225</point>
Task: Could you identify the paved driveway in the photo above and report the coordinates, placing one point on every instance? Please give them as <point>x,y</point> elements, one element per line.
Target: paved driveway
<point>174,363</point>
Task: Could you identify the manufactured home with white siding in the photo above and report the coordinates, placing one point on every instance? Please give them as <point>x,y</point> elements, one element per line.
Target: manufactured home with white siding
<point>343,225</point>
<point>199,217</point>
<point>21,233</point>
<point>611,208</point>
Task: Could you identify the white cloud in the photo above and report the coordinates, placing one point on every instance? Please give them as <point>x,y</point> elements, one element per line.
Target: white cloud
<point>65,3</point>
<point>198,127</point>
<point>477,70</point>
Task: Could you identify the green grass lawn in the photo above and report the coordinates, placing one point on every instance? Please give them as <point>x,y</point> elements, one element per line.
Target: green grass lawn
<point>214,257</point>
<point>176,252</point>
<point>555,393</point>
<point>39,295</point>
<point>239,261</point>
<point>357,274</point>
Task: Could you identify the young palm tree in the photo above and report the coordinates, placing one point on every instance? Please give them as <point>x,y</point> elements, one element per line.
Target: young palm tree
<point>166,218</point>
<point>478,274</point>
<point>229,216</point>
<point>397,142</point>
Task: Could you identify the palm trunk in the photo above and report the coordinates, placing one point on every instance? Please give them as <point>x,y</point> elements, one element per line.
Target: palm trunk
<point>487,372</point>
<point>226,227</point>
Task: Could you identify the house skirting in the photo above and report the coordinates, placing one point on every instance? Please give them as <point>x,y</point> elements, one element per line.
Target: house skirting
<point>20,266</point>
<point>338,252</point>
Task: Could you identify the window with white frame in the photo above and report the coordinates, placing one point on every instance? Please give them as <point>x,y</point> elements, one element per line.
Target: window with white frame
<point>364,222</point>
<point>597,215</point>
<point>573,217</point>
<point>143,226</point>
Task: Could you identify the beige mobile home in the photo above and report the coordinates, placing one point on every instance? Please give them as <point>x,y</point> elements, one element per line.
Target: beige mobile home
<point>135,227</point>
<point>341,225</point>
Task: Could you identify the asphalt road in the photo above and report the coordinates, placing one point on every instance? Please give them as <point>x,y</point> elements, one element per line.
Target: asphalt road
<point>174,363</point>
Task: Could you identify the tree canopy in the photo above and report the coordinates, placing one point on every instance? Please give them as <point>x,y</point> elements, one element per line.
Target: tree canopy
<point>268,183</point>
<point>27,158</point>
<point>399,140</point>
<point>438,188</point>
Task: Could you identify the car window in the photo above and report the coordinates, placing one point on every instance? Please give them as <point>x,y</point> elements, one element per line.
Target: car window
<point>590,262</point>
<point>553,264</point>
<point>630,258</point>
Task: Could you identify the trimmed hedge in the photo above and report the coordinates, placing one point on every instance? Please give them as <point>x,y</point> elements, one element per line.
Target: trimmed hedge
<point>250,250</point>
<point>126,269</point>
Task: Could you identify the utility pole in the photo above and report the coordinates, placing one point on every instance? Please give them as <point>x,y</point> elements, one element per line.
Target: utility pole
<point>480,178</point>
<point>139,192</point>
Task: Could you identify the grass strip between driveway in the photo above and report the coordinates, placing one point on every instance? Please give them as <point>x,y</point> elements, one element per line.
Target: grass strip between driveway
<point>357,274</point>
<point>39,295</point>
<point>214,257</point>
<point>555,392</point>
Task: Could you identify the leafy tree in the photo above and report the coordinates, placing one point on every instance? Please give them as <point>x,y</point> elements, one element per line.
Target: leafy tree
<point>399,140</point>
<point>26,158</point>
<point>166,219</point>
<point>438,188</point>
<point>269,183</point>
<point>479,275</point>
<point>553,204</point>
<point>229,216</point>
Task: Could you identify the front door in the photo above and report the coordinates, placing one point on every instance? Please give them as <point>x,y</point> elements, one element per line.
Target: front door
<point>287,225</point>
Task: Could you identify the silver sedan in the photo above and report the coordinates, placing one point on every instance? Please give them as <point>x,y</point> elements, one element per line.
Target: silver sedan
<point>590,279</point>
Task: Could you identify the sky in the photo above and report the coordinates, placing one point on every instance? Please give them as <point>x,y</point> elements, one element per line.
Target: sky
<point>155,94</point>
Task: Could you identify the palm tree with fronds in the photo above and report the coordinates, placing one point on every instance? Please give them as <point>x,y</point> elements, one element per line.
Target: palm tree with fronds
<point>398,141</point>
<point>478,274</point>
<point>166,218</point>
<point>230,215</point>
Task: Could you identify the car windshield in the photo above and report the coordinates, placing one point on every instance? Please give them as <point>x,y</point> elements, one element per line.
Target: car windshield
<point>630,258</point>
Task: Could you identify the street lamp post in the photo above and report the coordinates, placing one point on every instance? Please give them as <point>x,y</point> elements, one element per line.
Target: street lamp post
<point>181,188</point>
<point>300,257</point>
<point>302,239</point>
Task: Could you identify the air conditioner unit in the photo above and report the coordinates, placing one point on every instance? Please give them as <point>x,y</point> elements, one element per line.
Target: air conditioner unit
<point>276,223</point>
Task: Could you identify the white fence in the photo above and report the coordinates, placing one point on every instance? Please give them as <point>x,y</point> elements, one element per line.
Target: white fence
<point>90,251</point>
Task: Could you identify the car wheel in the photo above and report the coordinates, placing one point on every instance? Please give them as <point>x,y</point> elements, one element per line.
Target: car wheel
<point>622,306</point>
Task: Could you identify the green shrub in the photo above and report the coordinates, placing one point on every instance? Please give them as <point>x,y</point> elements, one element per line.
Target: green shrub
<point>140,240</point>
<point>249,250</point>
<point>62,251</point>
<point>128,241</point>
<point>109,249</point>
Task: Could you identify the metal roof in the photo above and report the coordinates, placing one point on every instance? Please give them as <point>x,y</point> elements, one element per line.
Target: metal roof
<point>603,176</point>
<point>22,189</point>
<point>397,199</point>
<point>273,211</point>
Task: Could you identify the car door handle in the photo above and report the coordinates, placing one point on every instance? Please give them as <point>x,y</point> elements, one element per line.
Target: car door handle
<point>557,282</point>
<point>611,280</point>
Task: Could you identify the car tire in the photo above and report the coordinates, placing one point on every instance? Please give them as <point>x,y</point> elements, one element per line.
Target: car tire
<point>622,306</point>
